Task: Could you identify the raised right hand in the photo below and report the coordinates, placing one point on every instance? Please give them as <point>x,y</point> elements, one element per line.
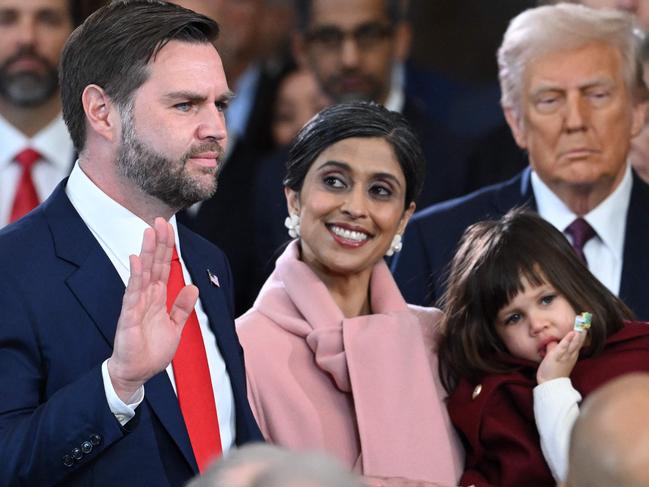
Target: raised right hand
<point>147,336</point>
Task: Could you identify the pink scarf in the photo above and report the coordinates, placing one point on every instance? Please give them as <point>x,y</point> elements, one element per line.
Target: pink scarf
<point>382,360</point>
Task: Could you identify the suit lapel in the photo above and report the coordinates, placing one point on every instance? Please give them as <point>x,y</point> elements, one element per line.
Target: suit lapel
<point>515,193</point>
<point>159,394</point>
<point>212,297</point>
<point>199,258</point>
<point>95,283</point>
<point>99,289</point>
<point>635,264</point>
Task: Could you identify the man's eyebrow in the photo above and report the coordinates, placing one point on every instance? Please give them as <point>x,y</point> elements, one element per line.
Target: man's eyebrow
<point>195,97</point>
<point>184,95</point>
<point>227,96</point>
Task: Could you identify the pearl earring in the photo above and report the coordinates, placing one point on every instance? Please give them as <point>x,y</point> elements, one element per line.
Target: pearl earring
<point>395,246</point>
<point>292,222</point>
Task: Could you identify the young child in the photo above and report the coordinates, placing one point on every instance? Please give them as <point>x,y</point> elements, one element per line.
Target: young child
<point>508,348</point>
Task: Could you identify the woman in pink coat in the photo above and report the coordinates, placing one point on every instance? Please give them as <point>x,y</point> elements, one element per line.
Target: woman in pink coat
<point>336,360</point>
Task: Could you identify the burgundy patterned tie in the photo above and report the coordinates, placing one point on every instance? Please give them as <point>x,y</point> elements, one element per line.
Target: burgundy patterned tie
<point>581,232</point>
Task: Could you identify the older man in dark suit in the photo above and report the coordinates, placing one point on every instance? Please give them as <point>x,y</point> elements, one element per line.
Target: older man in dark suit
<point>573,98</point>
<point>101,385</point>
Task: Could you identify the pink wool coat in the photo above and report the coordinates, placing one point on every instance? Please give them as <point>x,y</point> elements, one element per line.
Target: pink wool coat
<point>364,389</point>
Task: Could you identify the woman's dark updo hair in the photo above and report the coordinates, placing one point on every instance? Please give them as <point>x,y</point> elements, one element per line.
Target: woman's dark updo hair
<point>358,119</point>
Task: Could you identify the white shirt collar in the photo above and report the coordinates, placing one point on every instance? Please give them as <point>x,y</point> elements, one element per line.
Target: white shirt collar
<point>103,216</point>
<point>53,142</point>
<point>604,218</point>
<point>396,97</point>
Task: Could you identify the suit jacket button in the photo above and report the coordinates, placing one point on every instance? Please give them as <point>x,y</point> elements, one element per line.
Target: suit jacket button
<point>86,447</point>
<point>67,460</point>
<point>95,439</point>
<point>76,454</point>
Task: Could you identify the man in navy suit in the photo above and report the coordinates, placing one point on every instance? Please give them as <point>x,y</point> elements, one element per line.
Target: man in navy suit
<point>93,366</point>
<point>574,98</point>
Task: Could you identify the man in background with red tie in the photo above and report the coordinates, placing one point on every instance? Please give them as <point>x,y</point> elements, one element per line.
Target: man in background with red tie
<point>36,151</point>
<point>573,96</point>
<point>119,362</point>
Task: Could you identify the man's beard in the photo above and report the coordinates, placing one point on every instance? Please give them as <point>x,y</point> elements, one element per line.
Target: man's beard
<point>163,178</point>
<point>334,87</point>
<point>28,88</point>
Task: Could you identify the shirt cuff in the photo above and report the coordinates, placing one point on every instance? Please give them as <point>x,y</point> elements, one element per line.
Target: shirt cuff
<point>546,394</point>
<point>123,412</point>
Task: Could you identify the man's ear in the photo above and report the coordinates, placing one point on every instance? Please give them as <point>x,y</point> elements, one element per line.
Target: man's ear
<point>101,113</point>
<point>639,118</point>
<point>516,125</point>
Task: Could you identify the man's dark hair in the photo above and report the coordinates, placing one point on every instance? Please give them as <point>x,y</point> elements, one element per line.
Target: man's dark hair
<point>358,119</point>
<point>394,8</point>
<point>113,48</point>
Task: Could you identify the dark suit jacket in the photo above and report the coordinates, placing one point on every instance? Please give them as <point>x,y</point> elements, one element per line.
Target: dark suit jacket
<point>494,158</point>
<point>433,234</point>
<point>498,426</point>
<point>60,298</point>
<point>446,157</point>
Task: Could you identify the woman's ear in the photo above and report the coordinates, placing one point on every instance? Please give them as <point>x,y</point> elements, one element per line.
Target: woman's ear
<point>406,217</point>
<point>292,201</point>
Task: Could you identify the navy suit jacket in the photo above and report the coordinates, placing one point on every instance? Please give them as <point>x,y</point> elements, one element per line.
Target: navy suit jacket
<point>60,298</point>
<point>432,236</point>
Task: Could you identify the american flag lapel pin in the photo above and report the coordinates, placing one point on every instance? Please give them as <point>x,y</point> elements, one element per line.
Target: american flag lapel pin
<point>213,279</point>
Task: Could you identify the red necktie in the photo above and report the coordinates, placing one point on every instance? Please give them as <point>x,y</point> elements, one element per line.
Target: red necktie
<point>581,232</point>
<point>193,383</point>
<point>26,198</point>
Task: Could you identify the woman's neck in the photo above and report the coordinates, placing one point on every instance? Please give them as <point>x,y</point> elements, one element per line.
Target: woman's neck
<point>351,292</point>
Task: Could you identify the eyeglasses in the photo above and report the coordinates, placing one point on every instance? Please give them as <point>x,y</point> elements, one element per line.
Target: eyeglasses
<point>366,36</point>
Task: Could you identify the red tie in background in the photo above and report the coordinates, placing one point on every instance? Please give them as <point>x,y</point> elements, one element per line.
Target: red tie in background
<point>26,198</point>
<point>193,383</point>
<point>581,232</point>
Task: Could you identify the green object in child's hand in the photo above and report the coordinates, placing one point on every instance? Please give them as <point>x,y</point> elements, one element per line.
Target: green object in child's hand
<point>583,321</point>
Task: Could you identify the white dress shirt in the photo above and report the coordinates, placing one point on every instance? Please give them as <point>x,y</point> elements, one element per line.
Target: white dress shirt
<point>603,252</point>
<point>57,151</point>
<point>119,232</point>
<point>556,408</point>
<point>396,98</point>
